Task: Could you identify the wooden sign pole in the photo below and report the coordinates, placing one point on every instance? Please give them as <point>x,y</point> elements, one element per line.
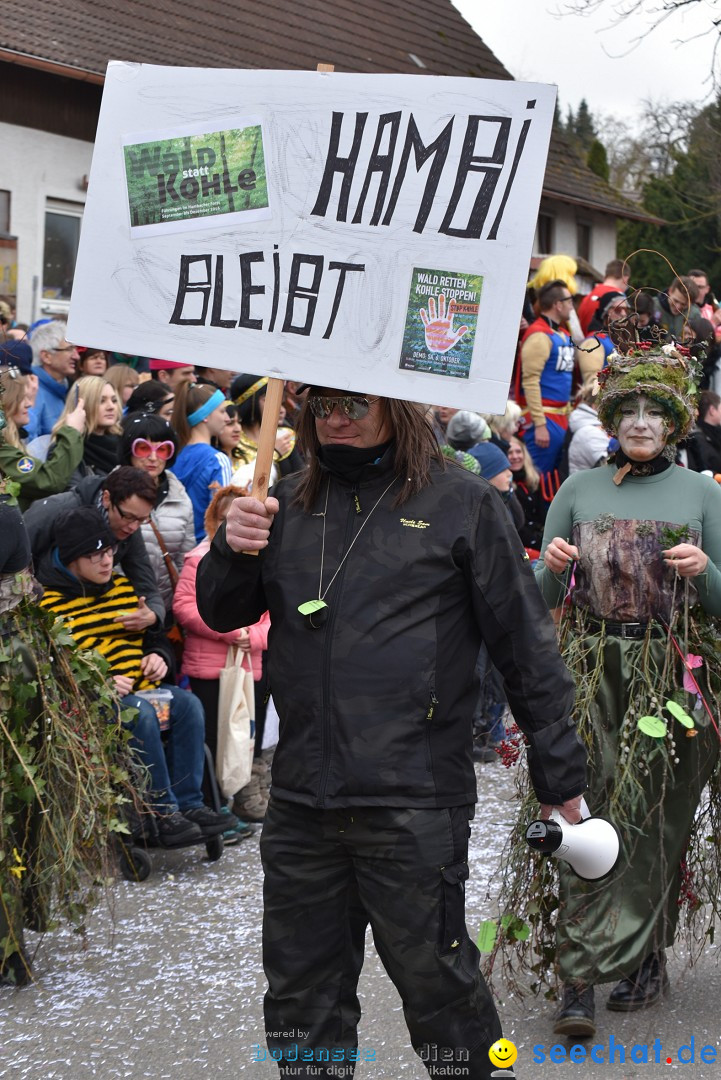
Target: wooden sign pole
<point>266,440</point>
<point>269,422</point>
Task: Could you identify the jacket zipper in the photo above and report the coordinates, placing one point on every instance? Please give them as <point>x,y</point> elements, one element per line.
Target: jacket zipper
<point>325,682</point>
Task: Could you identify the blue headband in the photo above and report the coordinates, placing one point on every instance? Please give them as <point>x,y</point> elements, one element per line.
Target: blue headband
<point>210,406</point>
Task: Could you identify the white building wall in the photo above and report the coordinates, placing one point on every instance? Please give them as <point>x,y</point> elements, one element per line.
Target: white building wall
<point>603,243</point>
<point>35,167</point>
<point>603,233</point>
<point>566,218</point>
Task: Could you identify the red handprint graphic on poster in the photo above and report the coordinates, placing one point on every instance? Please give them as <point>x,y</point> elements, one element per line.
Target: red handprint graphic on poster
<point>439,332</point>
<point>436,299</point>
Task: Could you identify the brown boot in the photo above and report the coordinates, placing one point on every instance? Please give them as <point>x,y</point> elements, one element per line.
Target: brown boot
<point>250,804</point>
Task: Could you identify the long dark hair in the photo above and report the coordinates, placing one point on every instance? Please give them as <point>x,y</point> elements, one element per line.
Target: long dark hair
<point>416,447</point>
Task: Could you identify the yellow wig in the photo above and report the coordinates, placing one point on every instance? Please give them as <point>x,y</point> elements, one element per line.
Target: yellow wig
<point>556,267</point>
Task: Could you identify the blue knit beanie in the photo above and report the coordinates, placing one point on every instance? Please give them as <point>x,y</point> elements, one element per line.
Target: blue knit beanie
<point>491,459</point>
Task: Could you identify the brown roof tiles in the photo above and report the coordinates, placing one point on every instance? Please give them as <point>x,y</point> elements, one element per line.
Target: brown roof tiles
<point>373,36</point>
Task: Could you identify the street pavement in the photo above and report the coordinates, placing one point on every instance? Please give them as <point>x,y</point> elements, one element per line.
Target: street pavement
<point>169,985</point>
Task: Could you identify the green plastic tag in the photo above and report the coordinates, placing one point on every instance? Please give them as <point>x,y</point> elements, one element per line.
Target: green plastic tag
<point>653,726</point>
<point>311,606</point>
<point>679,714</point>
<point>487,936</point>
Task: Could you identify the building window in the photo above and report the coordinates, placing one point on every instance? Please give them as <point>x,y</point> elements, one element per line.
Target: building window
<point>545,234</point>
<point>62,234</point>
<point>583,240</point>
<point>4,211</point>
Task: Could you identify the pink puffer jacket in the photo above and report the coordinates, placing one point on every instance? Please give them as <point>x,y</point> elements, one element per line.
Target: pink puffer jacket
<point>205,650</point>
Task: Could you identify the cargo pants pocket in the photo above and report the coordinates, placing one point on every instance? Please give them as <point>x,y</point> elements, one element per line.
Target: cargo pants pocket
<point>453,928</point>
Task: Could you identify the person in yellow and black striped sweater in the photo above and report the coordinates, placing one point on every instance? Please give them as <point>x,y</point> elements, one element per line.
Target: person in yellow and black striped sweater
<point>92,600</point>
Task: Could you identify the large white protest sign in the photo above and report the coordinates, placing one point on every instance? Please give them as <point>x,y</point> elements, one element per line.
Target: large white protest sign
<point>367,232</point>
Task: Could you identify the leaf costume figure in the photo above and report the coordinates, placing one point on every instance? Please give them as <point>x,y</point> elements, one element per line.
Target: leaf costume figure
<point>63,763</point>
<point>632,555</point>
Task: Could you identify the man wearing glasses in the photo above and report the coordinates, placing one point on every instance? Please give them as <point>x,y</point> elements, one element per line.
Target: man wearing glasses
<point>547,357</point>
<point>383,570</point>
<point>125,499</point>
<point>54,363</point>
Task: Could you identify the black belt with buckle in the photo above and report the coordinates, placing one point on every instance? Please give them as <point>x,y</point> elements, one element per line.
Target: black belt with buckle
<point>633,631</point>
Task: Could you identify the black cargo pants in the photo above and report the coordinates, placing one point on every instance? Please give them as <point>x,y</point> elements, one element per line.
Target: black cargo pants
<point>328,873</point>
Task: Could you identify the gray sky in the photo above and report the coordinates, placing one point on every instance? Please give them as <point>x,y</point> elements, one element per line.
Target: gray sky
<point>592,58</point>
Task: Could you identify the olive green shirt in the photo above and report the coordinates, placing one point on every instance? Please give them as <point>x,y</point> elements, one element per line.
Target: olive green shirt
<point>621,533</point>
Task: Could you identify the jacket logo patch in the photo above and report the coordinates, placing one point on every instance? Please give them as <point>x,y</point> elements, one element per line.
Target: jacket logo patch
<point>411,523</point>
<point>25,465</point>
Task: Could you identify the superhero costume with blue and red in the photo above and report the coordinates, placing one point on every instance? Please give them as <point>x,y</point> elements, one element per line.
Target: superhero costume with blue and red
<point>547,360</point>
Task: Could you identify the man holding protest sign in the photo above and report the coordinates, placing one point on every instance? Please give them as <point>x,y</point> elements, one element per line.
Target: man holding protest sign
<point>383,571</point>
<point>352,223</point>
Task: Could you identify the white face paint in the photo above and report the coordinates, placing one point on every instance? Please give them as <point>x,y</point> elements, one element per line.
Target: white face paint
<point>643,428</point>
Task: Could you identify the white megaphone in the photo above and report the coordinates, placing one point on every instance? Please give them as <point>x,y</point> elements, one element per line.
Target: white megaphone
<point>590,848</point>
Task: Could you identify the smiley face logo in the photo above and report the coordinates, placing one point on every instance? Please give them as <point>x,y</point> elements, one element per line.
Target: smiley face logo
<point>503,1053</point>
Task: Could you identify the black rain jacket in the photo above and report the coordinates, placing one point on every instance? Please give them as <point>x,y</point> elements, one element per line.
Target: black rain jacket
<point>376,706</point>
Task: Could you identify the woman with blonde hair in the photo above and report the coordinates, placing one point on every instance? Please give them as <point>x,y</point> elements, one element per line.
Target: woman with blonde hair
<point>102,425</point>
<point>36,477</point>
<point>124,379</point>
<point>505,425</point>
<point>528,492</point>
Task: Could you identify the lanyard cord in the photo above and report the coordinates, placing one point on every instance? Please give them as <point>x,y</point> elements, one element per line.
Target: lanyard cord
<point>322,594</point>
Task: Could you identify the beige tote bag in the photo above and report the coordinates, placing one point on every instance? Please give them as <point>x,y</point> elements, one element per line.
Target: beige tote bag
<point>236,722</point>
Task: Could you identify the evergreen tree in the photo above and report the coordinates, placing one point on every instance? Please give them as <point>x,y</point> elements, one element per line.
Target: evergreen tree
<point>597,159</point>
<point>584,127</point>
<point>570,125</point>
<point>581,127</point>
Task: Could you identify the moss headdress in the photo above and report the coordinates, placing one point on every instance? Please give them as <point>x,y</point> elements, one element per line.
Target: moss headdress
<point>664,373</point>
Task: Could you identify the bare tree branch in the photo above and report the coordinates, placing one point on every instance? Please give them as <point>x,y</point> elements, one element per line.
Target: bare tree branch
<point>657,12</point>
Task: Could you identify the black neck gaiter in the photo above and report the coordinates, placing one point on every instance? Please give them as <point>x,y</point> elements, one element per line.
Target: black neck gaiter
<point>656,465</point>
<point>350,463</point>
